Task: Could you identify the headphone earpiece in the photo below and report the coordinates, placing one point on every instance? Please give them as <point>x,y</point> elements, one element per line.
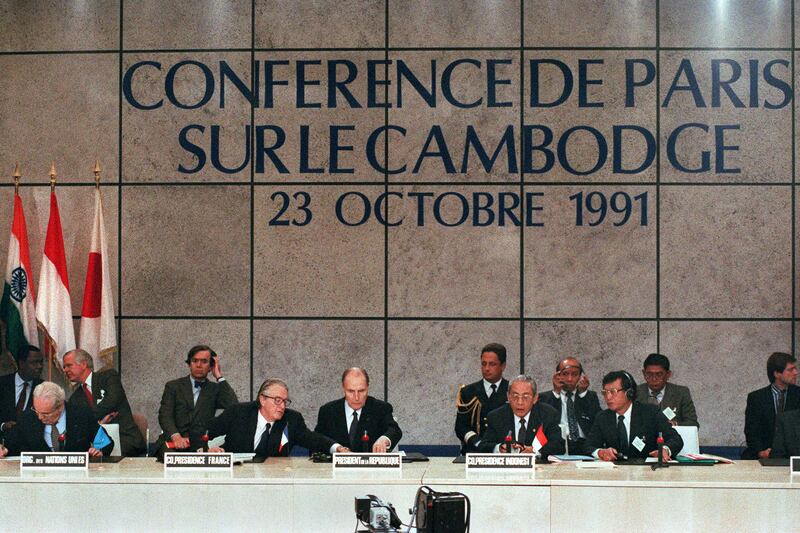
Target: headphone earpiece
<point>629,385</point>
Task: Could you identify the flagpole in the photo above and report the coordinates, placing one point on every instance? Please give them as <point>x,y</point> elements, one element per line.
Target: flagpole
<point>17,176</point>
<point>50,347</point>
<point>96,173</point>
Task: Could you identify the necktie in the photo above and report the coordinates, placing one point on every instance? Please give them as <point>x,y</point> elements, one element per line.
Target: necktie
<point>494,389</point>
<point>522,434</point>
<point>353,435</point>
<point>22,396</point>
<point>54,436</point>
<point>781,401</point>
<point>88,394</point>
<point>653,398</point>
<point>571,418</point>
<point>261,449</point>
<point>623,435</point>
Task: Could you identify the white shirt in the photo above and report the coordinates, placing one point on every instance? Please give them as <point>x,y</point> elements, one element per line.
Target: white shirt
<point>19,384</point>
<point>61,425</point>
<point>195,390</point>
<point>261,427</point>
<point>659,395</point>
<point>516,429</point>
<point>626,421</point>
<point>564,417</point>
<point>487,385</point>
<point>348,416</point>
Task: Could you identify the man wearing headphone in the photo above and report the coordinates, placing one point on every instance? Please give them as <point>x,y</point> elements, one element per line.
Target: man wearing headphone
<point>628,429</point>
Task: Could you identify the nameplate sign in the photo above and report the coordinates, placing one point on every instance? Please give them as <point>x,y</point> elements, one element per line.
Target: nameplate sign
<point>55,460</point>
<point>377,461</point>
<point>197,461</point>
<point>519,462</point>
<point>794,465</point>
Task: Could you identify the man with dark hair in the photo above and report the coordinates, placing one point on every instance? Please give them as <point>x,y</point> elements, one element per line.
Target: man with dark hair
<point>103,394</point>
<point>266,426</point>
<point>675,401</point>
<point>361,422</point>
<point>476,400</point>
<point>189,403</point>
<point>16,390</point>
<point>629,429</point>
<point>576,408</point>
<point>781,395</point>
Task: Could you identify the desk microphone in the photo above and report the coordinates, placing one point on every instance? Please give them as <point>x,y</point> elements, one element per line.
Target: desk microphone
<point>509,440</point>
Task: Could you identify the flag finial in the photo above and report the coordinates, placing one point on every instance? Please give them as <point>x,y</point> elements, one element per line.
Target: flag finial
<point>52,176</point>
<point>17,176</point>
<point>96,173</point>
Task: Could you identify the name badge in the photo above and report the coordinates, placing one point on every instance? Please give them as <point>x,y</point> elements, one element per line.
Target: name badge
<point>794,465</point>
<point>377,461</point>
<point>638,443</point>
<point>519,462</point>
<point>669,413</point>
<point>183,461</point>
<point>59,460</point>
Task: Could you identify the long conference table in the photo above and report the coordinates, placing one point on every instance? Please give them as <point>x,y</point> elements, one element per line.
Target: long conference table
<point>296,495</point>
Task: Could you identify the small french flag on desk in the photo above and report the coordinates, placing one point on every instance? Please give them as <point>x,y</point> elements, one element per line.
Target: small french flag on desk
<point>284,438</point>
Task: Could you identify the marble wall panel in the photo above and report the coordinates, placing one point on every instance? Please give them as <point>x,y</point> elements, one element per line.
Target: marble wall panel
<point>626,23</point>
<point>741,23</point>
<point>582,271</point>
<point>154,352</point>
<point>186,250</point>
<point>429,360</point>
<point>294,275</point>
<point>460,271</point>
<point>721,362</point>
<point>61,108</point>
<point>152,149</point>
<point>760,145</point>
<point>39,25</point>
<point>604,108</point>
<point>152,24</point>
<point>601,346</point>
<point>310,159</point>
<point>351,24</point>
<point>455,23</point>
<point>468,86</point>
<point>726,252</point>
<point>310,355</point>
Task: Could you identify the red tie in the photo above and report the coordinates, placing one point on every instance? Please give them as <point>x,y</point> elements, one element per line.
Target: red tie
<point>88,395</point>
<point>21,401</point>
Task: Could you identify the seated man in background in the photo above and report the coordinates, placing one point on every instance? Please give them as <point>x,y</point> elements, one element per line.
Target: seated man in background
<point>363,423</point>
<point>675,401</point>
<point>267,427</point>
<point>782,394</point>
<point>16,390</point>
<point>576,408</point>
<point>52,426</point>
<point>628,429</point>
<point>189,403</point>
<point>531,424</point>
<point>102,392</point>
<point>478,399</point>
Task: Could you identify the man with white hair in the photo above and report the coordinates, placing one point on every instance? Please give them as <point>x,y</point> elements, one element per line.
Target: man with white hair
<point>53,426</point>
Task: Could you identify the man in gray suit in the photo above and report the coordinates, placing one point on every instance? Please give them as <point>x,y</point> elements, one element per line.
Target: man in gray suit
<point>190,403</point>
<point>675,401</point>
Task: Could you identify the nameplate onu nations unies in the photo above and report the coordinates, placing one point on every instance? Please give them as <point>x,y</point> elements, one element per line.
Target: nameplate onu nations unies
<point>376,461</point>
<point>519,462</point>
<point>55,460</point>
<point>184,461</point>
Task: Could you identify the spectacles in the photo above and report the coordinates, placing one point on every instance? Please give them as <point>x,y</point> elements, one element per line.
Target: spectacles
<point>278,400</point>
<point>49,413</point>
<point>518,397</point>
<point>611,392</point>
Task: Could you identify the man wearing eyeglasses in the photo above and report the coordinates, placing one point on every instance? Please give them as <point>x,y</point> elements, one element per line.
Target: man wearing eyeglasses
<point>266,426</point>
<point>576,406</point>
<point>531,425</point>
<point>629,429</point>
<point>52,426</point>
<point>675,401</point>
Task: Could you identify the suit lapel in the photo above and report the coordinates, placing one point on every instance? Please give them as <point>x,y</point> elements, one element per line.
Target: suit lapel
<point>188,396</point>
<point>636,422</point>
<point>341,421</point>
<point>275,437</point>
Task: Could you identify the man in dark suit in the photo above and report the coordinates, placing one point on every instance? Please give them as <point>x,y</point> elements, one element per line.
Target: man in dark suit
<point>361,422</point>
<point>576,408</point>
<point>532,425</point>
<point>189,403</point>
<point>52,426</point>
<point>629,429</point>
<point>782,394</point>
<point>675,401</point>
<point>102,392</point>
<point>787,435</point>
<point>476,400</point>
<point>267,427</point>
<point>16,390</point>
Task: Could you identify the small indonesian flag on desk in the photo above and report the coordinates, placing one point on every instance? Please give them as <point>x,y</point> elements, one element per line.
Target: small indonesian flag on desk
<point>539,440</point>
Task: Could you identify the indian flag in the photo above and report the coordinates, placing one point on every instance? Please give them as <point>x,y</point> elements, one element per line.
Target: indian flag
<point>98,335</point>
<point>54,309</point>
<point>17,307</point>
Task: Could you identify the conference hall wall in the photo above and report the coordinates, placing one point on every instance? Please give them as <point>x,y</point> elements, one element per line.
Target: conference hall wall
<point>635,192</point>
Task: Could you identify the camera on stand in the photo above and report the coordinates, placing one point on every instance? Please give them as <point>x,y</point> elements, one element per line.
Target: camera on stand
<point>433,512</point>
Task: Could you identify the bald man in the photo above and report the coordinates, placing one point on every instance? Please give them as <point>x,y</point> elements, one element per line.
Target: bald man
<point>359,421</point>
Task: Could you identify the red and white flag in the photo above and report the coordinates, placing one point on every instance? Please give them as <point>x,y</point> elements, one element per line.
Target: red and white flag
<point>53,306</point>
<point>98,334</point>
<point>539,440</point>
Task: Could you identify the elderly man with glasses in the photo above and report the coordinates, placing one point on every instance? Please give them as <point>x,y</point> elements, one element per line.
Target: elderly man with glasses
<point>53,426</point>
<point>266,426</point>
